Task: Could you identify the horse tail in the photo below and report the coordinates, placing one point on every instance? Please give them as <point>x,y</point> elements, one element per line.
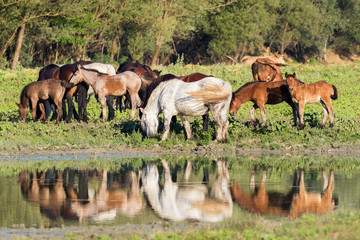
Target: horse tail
<point>210,93</point>
<point>66,84</point>
<point>335,95</point>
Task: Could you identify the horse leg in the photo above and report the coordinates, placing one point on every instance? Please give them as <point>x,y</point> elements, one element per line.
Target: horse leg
<point>167,120</point>
<point>109,103</point>
<point>58,104</point>
<point>43,116</point>
<point>187,127</point>
<point>33,106</point>
<point>205,121</point>
<point>326,112</point>
<point>252,116</point>
<point>262,112</point>
<point>82,101</point>
<point>135,101</point>
<point>301,106</point>
<point>330,109</point>
<point>102,100</point>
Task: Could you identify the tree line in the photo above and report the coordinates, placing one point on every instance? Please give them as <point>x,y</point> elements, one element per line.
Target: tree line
<point>40,32</point>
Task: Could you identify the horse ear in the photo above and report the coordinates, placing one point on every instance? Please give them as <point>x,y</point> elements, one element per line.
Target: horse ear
<point>18,104</point>
<point>286,74</point>
<point>294,75</point>
<point>142,110</point>
<point>78,66</point>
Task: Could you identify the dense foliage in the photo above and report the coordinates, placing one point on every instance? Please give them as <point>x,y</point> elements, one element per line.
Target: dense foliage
<point>280,134</point>
<point>38,33</point>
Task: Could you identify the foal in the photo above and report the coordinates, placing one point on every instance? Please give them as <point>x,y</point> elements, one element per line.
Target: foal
<point>302,94</point>
<point>39,92</point>
<point>261,93</point>
<point>110,85</point>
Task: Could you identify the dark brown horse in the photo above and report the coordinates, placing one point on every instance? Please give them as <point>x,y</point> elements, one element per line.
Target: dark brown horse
<point>302,94</point>
<point>264,69</point>
<point>261,93</point>
<point>146,74</point>
<point>38,92</point>
<point>188,78</point>
<point>64,73</point>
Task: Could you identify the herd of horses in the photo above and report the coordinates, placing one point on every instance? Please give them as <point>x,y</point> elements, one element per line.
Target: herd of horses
<point>152,93</point>
<point>68,195</point>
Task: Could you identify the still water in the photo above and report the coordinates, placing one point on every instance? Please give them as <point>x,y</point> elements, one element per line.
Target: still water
<point>142,191</point>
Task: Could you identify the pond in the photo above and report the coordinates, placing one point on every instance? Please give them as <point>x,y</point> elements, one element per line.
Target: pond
<point>115,190</point>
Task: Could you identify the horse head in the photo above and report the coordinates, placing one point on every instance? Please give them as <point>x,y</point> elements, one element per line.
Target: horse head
<point>234,105</point>
<point>76,76</point>
<point>23,112</point>
<point>149,123</point>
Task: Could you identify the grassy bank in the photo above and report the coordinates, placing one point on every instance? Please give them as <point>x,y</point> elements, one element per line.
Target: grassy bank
<point>280,135</point>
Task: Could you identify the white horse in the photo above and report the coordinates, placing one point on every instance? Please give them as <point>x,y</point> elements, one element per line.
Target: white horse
<point>176,97</point>
<point>192,201</point>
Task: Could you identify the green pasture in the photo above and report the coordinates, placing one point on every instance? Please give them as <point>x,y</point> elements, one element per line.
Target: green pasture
<point>280,134</point>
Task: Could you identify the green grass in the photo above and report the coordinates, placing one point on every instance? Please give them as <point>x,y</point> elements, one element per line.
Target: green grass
<point>279,135</point>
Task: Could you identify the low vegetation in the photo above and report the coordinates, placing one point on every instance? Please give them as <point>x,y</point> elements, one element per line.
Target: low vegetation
<point>279,135</point>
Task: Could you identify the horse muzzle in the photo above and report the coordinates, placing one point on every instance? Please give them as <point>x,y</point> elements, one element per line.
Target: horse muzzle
<point>232,113</point>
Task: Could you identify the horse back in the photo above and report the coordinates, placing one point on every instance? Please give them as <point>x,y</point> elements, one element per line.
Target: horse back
<point>263,69</point>
<point>47,72</point>
<point>193,77</point>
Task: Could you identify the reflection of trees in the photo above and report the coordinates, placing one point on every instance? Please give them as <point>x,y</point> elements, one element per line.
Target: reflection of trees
<point>293,204</point>
<point>56,194</point>
<point>191,201</point>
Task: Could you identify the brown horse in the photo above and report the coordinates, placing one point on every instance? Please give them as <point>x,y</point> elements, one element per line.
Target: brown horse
<point>302,94</point>
<point>40,91</point>
<point>188,78</point>
<point>64,73</point>
<point>261,93</point>
<point>264,69</point>
<point>110,85</point>
<point>147,76</point>
<point>293,204</point>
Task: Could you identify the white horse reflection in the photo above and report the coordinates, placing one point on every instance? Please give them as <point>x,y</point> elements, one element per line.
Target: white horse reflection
<point>190,202</point>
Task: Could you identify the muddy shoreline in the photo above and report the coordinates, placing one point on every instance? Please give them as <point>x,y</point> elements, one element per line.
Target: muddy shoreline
<point>215,150</point>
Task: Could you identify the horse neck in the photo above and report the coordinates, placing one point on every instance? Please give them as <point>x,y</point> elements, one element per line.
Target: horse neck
<point>89,77</point>
<point>243,95</point>
<point>24,100</point>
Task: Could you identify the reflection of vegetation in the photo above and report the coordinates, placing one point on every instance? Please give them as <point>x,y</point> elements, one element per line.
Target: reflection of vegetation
<point>277,164</point>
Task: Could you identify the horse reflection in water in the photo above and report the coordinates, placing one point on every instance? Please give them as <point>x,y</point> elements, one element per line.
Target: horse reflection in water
<point>58,198</point>
<point>293,204</point>
<point>107,203</point>
<point>189,202</point>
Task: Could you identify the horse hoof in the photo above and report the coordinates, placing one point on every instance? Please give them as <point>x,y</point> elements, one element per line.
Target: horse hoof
<point>301,127</point>
<point>331,125</point>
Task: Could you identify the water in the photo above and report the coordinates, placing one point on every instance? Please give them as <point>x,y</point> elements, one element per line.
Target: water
<point>112,191</point>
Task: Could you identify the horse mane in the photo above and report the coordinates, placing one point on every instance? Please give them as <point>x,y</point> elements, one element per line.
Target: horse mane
<point>95,71</point>
<point>156,92</point>
<point>246,85</point>
<point>23,98</point>
<point>211,93</point>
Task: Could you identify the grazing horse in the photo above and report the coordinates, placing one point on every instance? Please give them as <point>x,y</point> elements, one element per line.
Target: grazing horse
<point>302,94</point>
<point>39,92</point>
<point>188,78</point>
<point>261,93</point>
<point>293,204</point>
<point>264,69</point>
<point>110,85</point>
<point>189,202</point>
<point>176,97</point>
